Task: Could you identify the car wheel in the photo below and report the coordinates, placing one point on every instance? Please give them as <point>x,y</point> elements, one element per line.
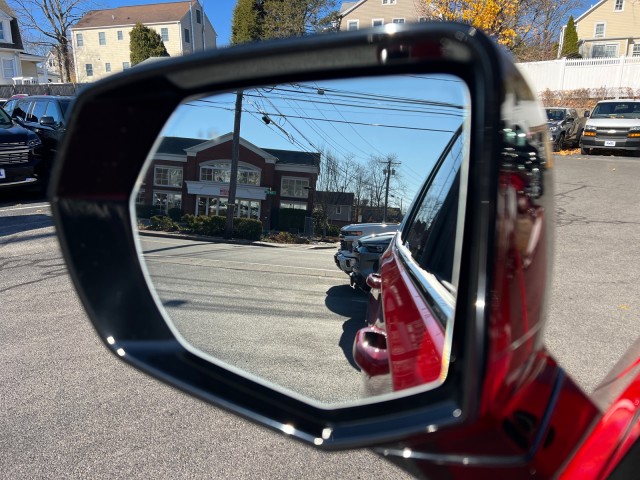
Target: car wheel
<point>585,151</point>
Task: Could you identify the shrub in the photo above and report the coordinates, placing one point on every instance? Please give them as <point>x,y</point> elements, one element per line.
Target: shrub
<point>175,214</point>
<point>162,223</point>
<point>333,231</point>
<point>285,237</point>
<point>145,211</point>
<point>247,228</point>
<point>289,218</point>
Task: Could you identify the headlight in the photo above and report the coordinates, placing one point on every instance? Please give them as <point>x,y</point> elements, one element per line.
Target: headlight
<point>553,129</point>
<point>589,132</point>
<point>34,142</point>
<point>634,132</point>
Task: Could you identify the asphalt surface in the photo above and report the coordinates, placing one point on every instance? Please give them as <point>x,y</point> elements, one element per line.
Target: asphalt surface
<point>69,409</point>
<point>286,315</point>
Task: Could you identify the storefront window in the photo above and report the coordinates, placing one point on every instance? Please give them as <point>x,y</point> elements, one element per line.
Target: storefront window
<point>166,200</point>
<point>218,206</point>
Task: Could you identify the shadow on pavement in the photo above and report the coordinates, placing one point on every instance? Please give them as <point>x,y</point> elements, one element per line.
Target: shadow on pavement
<point>24,223</point>
<point>347,302</point>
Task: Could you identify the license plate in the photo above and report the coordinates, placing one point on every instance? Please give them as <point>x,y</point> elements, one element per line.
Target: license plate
<point>2,174</point>
<point>609,143</point>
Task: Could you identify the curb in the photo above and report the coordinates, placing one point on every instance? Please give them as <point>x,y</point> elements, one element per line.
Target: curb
<point>203,238</point>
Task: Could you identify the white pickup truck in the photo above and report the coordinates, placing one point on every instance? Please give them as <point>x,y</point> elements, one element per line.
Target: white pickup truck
<point>613,125</point>
<point>344,257</point>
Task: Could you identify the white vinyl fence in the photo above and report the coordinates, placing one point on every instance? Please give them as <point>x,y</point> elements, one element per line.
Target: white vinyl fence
<point>612,74</point>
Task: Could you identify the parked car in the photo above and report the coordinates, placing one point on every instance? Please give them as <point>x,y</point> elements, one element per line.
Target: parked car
<point>345,257</point>
<point>18,160</point>
<point>47,116</point>
<point>613,125</point>
<point>565,126</point>
<point>464,285</point>
<point>367,252</point>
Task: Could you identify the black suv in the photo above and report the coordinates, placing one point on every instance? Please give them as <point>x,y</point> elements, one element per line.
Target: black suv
<point>45,115</point>
<point>19,165</point>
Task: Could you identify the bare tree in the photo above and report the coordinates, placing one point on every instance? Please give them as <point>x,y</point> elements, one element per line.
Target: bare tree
<point>540,26</point>
<point>51,20</point>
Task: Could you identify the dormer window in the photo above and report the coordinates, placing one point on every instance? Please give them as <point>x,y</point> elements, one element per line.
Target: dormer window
<point>5,31</point>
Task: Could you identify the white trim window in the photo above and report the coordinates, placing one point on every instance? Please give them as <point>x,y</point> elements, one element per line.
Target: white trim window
<point>635,52</point>
<point>89,68</point>
<point>102,38</point>
<point>295,205</point>
<point>166,200</point>
<point>8,68</point>
<point>164,34</point>
<point>2,35</point>
<point>221,172</point>
<point>79,40</point>
<point>353,25</point>
<point>120,36</point>
<point>388,2</point>
<point>294,187</point>
<point>338,210</point>
<point>140,197</point>
<point>107,67</point>
<point>376,22</point>
<point>599,30</point>
<point>167,176</point>
<point>126,65</point>
<point>602,50</point>
<point>618,6</point>
<point>398,20</point>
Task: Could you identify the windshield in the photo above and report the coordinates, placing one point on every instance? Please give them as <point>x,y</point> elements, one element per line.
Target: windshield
<point>5,120</point>
<point>617,110</point>
<point>555,114</point>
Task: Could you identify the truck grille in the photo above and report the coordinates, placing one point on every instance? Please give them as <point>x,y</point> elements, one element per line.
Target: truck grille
<point>612,132</point>
<point>345,245</point>
<point>11,153</point>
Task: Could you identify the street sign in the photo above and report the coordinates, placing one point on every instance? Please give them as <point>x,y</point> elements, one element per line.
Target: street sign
<point>270,192</point>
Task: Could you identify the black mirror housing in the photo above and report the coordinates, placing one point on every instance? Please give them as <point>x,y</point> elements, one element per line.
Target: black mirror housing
<point>91,203</point>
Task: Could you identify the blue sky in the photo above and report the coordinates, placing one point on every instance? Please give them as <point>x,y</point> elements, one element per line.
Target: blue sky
<point>409,117</point>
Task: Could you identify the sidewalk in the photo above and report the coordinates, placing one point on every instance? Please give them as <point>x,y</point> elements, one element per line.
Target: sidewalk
<point>204,238</point>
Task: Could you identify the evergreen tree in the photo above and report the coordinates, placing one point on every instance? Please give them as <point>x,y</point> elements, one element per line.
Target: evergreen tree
<point>247,21</point>
<point>145,43</point>
<point>255,20</point>
<point>570,42</point>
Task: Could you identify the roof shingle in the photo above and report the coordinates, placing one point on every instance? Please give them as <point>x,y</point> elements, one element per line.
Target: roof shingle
<point>155,13</point>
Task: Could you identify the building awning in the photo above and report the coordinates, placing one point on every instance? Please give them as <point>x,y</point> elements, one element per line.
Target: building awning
<point>248,192</point>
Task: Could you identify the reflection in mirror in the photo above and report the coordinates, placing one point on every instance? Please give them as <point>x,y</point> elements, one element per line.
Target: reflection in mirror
<point>311,157</point>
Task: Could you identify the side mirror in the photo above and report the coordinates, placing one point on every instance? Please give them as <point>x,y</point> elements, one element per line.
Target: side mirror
<point>47,121</point>
<point>587,113</point>
<point>472,246</point>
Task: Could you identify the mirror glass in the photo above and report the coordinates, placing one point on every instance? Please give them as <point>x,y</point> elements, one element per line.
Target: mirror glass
<point>312,157</point>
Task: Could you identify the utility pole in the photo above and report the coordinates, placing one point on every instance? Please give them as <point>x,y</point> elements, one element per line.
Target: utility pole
<point>233,181</point>
<point>388,172</point>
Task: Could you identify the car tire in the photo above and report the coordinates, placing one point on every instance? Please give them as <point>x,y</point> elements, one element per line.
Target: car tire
<point>578,138</point>
<point>558,145</point>
<point>585,151</point>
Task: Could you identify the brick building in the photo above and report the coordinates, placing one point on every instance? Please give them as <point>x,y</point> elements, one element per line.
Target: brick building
<point>193,175</point>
